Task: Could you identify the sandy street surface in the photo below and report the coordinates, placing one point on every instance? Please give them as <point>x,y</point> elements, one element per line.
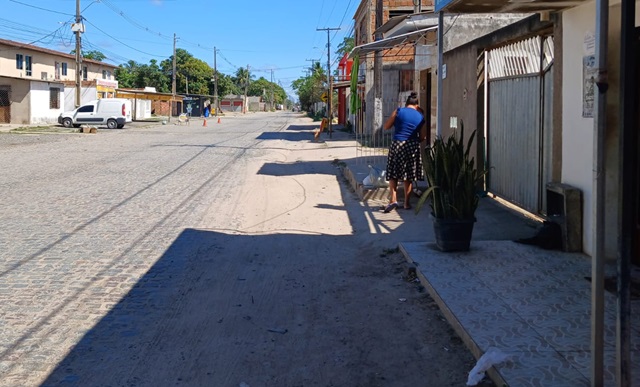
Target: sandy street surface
<point>231,255</point>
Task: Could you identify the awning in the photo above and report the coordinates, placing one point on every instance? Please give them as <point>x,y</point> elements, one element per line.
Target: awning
<point>505,6</point>
<point>147,95</point>
<point>387,43</point>
<point>408,23</point>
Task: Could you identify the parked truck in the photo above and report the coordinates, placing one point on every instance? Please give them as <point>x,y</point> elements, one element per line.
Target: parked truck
<point>112,112</point>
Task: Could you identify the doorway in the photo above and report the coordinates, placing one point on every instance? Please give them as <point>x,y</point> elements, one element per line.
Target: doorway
<point>425,99</point>
<point>5,104</point>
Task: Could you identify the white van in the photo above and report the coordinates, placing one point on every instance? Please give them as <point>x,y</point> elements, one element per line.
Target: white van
<point>114,112</point>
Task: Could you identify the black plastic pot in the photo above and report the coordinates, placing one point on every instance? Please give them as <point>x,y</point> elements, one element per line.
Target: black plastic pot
<point>453,234</point>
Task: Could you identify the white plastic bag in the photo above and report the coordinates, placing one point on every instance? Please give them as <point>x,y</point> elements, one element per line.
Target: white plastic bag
<point>490,358</point>
<point>377,177</point>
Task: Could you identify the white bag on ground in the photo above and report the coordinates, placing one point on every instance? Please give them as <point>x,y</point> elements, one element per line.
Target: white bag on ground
<point>490,358</point>
<point>377,177</point>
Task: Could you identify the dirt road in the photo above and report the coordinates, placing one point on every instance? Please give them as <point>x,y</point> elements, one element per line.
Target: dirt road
<point>259,267</point>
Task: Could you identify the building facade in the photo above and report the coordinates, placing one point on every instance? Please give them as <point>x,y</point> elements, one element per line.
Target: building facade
<point>34,82</point>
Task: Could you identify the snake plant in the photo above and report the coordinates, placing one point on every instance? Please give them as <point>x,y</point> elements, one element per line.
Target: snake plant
<point>452,178</point>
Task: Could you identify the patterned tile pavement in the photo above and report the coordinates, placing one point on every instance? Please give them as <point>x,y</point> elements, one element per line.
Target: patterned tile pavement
<point>530,303</point>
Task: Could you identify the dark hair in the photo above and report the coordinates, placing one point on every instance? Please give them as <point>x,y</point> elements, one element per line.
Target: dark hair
<point>412,99</point>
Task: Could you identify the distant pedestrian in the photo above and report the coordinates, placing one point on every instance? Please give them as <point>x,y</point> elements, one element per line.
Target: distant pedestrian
<point>404,161</point>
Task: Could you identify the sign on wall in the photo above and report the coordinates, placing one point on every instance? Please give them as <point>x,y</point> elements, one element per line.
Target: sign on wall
<point>588,85</point>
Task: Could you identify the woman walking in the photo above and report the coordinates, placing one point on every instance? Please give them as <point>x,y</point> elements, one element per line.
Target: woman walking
<point>404,161</point>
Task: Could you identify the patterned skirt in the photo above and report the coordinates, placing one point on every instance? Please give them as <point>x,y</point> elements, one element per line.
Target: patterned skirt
<point>404,161</point>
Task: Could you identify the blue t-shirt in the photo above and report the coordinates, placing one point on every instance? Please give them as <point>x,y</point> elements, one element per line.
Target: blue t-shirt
<point>407,124</point>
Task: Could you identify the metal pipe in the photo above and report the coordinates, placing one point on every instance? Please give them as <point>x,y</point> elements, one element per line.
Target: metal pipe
<point>440,67</point>
<point>598,201</point>
<point>628,161</point>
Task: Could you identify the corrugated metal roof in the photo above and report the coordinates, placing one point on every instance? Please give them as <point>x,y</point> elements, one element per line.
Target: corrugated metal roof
<point>505,6</point>
<point>387,43</point>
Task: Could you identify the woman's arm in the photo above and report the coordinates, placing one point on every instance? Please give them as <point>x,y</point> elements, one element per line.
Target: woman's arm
<point>389,122</point>
<point>423,132</point>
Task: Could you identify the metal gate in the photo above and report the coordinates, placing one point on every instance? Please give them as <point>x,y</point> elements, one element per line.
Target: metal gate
<point>520,121</point>
<point>5,104</point>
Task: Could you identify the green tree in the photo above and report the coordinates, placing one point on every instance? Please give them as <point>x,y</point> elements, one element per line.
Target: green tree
<point>91,55</point>
<point>226,86</point>
<point>242,79</point>
<point>126,74</point>
<point>264,88</point>
<point>345,47</point>
<point>137,75</point>
<point>311,87</point>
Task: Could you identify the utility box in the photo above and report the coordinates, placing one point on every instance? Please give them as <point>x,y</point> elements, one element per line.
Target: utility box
<point>564,206</point>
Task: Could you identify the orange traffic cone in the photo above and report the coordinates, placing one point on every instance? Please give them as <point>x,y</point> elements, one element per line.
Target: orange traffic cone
<point>218,119</point>
<point>204,123</point>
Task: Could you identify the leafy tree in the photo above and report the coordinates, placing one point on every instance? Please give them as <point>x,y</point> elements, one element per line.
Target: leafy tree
<point>243,78</point>
<point>265,88</point>
<point>345,47</point>
<point>226,86</point>
<point>92,55</point>
<point>196,72</point>
<point>136,75</point>
<point>152,75</point>
<point>126,74</point>
<point>311,87</point>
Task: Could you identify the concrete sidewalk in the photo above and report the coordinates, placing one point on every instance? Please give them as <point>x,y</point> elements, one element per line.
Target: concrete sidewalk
<point>529,303</point>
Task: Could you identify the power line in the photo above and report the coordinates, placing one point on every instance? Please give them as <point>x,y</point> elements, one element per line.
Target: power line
<point>124,44</point>
<point>131,21</point>
<point>341,20</point>
<point>227,60</point>
<point>42,9</point>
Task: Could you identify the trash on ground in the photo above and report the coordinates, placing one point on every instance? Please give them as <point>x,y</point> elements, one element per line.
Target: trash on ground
<point>282,331</point>
<point>490,358</point>
<point>376,177</point>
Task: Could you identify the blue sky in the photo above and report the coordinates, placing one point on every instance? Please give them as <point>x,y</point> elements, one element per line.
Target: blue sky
<point>278,35</point>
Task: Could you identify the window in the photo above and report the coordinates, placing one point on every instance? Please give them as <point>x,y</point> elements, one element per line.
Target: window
<point>44,75</point>
<point>399,12</point>
<point>85,76</point>
<point>108,74</point>
<point>406,80</point>
<point>64,68</point>
<point>27,64</point>
<point>86,109</point>
<point>104,74</point>
<point>54,98</point>
<point>19,61</point>
<point>57,70</point>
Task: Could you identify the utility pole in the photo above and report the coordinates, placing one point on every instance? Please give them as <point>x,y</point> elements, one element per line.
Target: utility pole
<point>215,80</point>
<point>78,30</point>
<point>310,69</point>
<point>272,95</point>
<point>246,90</point>
<point>329,86</point>
<point>377,74</point>
<point>173,77</point>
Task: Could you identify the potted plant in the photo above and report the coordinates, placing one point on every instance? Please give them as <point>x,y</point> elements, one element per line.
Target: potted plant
<point>453,180</point>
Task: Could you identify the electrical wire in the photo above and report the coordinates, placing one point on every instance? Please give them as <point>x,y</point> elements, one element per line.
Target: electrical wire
<point>42,9</point>
<point>124,44</point>
<point>134,23</point>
